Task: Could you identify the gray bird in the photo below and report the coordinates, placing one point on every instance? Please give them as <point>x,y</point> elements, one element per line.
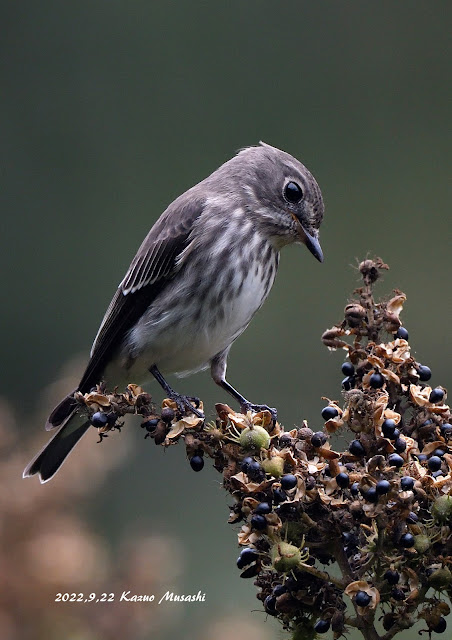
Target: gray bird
<point>200,275</point>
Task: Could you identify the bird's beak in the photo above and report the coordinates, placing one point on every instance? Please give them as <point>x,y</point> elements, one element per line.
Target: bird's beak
<point>312,244</point>
<point>310,241</point>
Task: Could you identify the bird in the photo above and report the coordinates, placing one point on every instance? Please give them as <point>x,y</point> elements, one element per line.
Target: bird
<point>200,275</point>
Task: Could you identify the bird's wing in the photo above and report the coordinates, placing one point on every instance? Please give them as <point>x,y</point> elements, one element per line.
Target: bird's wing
<point>153,266</point>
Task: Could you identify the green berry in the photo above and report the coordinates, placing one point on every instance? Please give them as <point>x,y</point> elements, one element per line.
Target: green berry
<point>421,543</point>
<point>440,579</point>
<point>285,556</point>
<point>274,466</point>
<point>442,508</point>
<point>255,438</point>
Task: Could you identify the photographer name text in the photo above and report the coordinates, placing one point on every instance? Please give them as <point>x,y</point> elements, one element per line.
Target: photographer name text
<point>129,596</point>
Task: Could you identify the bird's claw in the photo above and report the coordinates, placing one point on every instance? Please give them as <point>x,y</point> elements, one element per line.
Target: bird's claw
<point>184,404</point>
<point>248,406</point>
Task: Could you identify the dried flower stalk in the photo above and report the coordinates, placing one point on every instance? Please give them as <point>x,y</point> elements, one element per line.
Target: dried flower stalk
<point>379,511</point>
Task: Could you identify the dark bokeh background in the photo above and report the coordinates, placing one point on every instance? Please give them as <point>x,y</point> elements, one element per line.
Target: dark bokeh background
<point>111,109</point>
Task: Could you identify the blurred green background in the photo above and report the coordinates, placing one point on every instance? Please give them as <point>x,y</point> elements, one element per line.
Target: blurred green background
<point>112,109</point>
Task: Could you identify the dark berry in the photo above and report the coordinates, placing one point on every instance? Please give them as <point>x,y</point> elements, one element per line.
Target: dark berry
<point>279,496</point>
<point>348,538</point>
<point>388,428</point>
<point>436,395</point>
<point>111,418</point>
<point>318,439</point>
<point>292,584</point>
<point>246,464</point>
<point>400,445</point>
<point>354,489</point>
<point>322,626</point>
<point>279,589</point>
<point>441,626</point>
<point>285,440</point>
<point>270,605</point>
<point>362,599</point>
<point>251,572</point>
<point>436,474</point>
<point>255,471</point>
<point>439,453</point>
<point>446,430</point>
<point>371,495</point>
<point>343,480</point>
<point>258,522</point>
<point>288,482</point>
<point>407,540</point>
<point>383,486</point>
<point>99,419</point>
<point>263,507</point>
<point>402,333</point>
<point>348,369</point>
<point>329,412</point>
<point>356,448</point>
<point>424,373</point>
<point>407,483</point>
<point>392,576</point>
<point>348,383</point>
<point>395,460</point>
<point>422,457</point>
<point>398,594</point>
<point>167,414</point>
<point>151,425</point>
<point>376,380</point>
<point>396,434</point>
<point>246,557</point>
<point>434,463</point>
<point>412,518</point>
<point>197,463</point>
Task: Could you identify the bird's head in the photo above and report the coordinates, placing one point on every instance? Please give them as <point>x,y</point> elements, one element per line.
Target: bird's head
<point>281,195</point>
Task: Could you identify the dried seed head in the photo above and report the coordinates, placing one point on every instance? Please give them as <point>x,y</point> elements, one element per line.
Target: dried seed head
<point>370,270</point>
<point>355,314</point>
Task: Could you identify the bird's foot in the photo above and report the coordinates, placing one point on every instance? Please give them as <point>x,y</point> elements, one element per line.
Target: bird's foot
<point>185,404</point>
<point>248,406</point>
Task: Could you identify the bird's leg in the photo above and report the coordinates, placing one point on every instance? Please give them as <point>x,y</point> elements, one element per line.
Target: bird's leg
<point>218,371</point>
<point>184,403</point>
<point>246,405</point>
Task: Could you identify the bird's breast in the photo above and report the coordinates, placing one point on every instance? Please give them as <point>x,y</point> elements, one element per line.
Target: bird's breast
<point>207,305</point>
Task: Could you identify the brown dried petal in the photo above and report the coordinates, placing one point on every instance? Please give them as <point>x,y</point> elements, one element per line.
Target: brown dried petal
<point>97,398</point>
<point>135,389</point>
<point>334,424</point>
<point>249,504</point>
<point>330,338</point>
<point>395,305</point>
<point>239,482</point>
<point>390,375</point>
<point>376,362</point>
<point>223,410</point>
<point>420,396</point>
<point>327,453</point>
<point>431,446</point>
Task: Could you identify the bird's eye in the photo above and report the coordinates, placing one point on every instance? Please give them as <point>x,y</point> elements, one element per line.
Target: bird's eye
<point>293,193</point>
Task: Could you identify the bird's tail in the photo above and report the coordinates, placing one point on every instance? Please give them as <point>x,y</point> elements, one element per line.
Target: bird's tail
<point>71,427</point>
